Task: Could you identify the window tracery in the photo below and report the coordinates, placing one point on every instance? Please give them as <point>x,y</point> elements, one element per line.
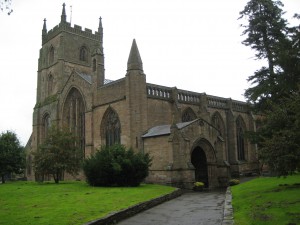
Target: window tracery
<point>74,115</point>
<point>218,123</point>
<point>111,128</point>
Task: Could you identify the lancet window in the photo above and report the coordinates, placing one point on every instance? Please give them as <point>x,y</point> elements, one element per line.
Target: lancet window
<point>51,55</point>
<point>83,54</point>
<point>46,125</point>
<point>240,139</point>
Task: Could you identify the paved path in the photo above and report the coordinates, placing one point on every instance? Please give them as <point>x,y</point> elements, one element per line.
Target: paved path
<point>192,208</point>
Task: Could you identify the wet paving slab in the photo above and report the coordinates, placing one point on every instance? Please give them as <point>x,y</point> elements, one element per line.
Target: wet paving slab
<point>192,208</point>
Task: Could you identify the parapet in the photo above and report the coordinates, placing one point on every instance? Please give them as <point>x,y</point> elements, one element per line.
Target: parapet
<point>66,27</point>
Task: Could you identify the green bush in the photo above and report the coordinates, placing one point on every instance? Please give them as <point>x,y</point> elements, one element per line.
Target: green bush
<point>116,166</point>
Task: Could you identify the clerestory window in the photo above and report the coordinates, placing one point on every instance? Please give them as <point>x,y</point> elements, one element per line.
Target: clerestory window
<point>188,115</point>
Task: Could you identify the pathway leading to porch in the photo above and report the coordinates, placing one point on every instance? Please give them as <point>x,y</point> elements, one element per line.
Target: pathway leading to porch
<point>192,208</point>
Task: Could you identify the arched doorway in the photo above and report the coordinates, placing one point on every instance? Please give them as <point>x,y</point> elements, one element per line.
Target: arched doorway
<point>199,161</point>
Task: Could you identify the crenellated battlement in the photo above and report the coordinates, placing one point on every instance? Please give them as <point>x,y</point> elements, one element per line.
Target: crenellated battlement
<point>66,27</point>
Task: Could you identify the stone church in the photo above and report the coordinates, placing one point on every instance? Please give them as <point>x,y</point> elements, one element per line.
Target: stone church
<point>191,136</point>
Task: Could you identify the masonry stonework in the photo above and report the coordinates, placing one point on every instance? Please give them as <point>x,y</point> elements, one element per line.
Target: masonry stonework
<point>191,136</point>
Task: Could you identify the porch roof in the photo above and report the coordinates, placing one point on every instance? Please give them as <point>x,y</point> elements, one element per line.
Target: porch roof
<point>165,129</point>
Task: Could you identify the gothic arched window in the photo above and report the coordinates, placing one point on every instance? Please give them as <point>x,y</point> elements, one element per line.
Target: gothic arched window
<point>46,125</point>
<point>51,55</point>
<point>218,123</point>
<point>50,84</point>
<point>111,128</point>
<point>240,128</point>
<point>74,115</point>
<point>83,54</point>
<point>188,115</point>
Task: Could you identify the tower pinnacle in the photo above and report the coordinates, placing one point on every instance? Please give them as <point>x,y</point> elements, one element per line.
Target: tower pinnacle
<point>63,14</point>
<point>134,61</point>
<point>100,28</point>
<point>44,27</point>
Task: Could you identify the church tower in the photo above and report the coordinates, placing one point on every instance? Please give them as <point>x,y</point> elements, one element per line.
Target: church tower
<point>65,51</point>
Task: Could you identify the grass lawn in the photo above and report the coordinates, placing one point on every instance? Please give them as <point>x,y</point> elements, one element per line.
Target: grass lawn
<point>67,202</point>
<point>267,200</point>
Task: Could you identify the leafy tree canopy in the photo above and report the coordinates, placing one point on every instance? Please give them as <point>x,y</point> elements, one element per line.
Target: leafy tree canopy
<point>58,153</point>
<point>12,157</point>
<point>5,6</point>
<point>276,87</point>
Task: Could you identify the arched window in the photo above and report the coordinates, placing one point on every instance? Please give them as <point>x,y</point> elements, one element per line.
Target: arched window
<point>83,54</point>
<point>46,125</point>
<point>111,128</point>
<point>51,55</point>
<point>50,84</point>
<point>74,115</point>
<point>218,123</point>
<point>94,65</point>
<point>240,138</point>
<point>188,115</point>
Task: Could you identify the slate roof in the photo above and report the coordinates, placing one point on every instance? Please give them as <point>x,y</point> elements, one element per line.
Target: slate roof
<point>165,129</point>
<point>88,77</point>
<point>85,76</point>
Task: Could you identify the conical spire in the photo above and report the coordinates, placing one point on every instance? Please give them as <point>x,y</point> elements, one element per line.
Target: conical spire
<point>63,14</point>
<point>44,27</point>
<point>134,61</point>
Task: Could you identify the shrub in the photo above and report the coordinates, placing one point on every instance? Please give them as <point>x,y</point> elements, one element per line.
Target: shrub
<point>116,166</point>
<point>233,182</point>
<point>198,184</point>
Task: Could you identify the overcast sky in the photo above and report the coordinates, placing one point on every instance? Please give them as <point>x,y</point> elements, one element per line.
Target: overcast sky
<point>191,44</point>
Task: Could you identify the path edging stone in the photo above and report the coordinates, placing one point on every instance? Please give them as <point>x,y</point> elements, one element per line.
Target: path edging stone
<point>115,217</point>
<point>228,209</point>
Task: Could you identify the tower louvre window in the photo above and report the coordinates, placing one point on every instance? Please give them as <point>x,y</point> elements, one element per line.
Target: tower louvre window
<point>94,65</point>
<point>50,84</point>
<point>83,54</point>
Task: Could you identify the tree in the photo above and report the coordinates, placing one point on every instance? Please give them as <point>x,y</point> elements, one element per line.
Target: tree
<point>116,166</point>
<point>275,87</point>
<point>12,156</point>
<point>58,153</point>
<point>5,5</point>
